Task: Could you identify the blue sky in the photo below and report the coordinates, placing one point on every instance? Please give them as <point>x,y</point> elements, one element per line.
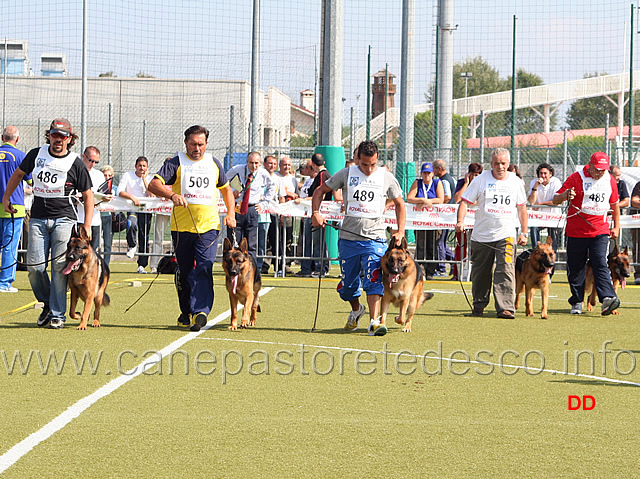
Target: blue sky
<point>559,40</point>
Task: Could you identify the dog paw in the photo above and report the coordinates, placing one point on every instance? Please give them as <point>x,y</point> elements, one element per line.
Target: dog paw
<point>252,323</point>
<point>406,330</point>
<point>544,316</point>
<point>232,327</point>
<point>398,320</point>
<point>244,325</point>
<point>96,324</point>
<point>82,327</point>
<point>615,312</point>
<point>75,315</point>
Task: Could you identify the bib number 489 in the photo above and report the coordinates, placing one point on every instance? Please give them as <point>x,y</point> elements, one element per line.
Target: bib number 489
<point>364,195</point>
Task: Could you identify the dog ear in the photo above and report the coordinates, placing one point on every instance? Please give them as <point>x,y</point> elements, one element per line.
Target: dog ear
<point>83,233</point>
<point>403,243</point>
<point>226,246</point>
<point>549,241</point>
<point>626,250</point>
<point>244,246</point>
<point>74,231</point>
<point>615,251</point>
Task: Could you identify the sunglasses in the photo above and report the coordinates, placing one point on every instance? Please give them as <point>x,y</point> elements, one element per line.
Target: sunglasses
<point>94,162</point>
<point>59,134</point>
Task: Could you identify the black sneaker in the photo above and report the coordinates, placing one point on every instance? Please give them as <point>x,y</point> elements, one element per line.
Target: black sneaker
<point>44,318</point>
<point>199,321</point>
<point>183,320</point>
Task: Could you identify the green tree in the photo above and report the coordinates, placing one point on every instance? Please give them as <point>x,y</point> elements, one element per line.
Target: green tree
<point>302,141</point>
<point>485,79</point>
<point>527,120</point>
<point>107,75</point>
<point>142,74</point>
<point>423,130</point>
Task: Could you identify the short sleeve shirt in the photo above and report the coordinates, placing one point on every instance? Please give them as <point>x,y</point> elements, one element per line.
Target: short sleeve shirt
<point>372,228</point>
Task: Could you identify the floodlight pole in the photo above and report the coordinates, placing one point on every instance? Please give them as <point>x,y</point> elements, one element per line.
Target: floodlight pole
<point>633,10</point>
<point>513,90</point>
<point>83,102</point>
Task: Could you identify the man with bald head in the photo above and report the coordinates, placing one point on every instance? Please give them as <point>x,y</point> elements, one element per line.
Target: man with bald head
<point>10,227</point>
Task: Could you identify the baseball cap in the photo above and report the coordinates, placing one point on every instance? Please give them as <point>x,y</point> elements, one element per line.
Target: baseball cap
<point>600,160</point>
<point>426,167</point>
<point>61,125</point>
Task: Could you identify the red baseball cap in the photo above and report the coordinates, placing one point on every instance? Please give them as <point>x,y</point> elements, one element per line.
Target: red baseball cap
<point>61,125</point>
<point>600,160</point>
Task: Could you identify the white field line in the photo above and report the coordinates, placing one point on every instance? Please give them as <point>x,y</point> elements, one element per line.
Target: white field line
<point>14,454</point>
<point>437,358</point>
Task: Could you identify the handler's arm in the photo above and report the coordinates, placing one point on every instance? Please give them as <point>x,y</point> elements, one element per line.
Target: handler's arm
<point>230,203</point>
<point>316,218</point>
<point>87,197</point>
<point>462,212</point>
<point>12,184</point>
<point>523,216</point>
<point>401,218</point>
<point>615,231</point>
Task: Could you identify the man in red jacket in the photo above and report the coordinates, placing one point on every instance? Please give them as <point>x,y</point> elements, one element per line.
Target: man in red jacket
<point>591,193</point>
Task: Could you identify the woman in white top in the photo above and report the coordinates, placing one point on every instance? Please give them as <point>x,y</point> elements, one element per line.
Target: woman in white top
<point>541,192</point>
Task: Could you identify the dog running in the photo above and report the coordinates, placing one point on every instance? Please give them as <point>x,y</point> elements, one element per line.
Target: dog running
<point>403,281</point>
<point>533,271</point>
<point>618,262</point>
<point>243,282</point>
<point>88,278</point>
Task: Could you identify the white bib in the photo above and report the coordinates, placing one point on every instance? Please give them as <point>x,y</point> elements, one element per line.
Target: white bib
<point>199,179</point>
<point>597,194</point>
<point>50,173</point>
<point>499,199</point>
<point>365,193</point>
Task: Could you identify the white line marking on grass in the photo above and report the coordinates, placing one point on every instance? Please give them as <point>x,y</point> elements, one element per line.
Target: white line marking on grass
<point>450,360</point>
<point>14,454</point>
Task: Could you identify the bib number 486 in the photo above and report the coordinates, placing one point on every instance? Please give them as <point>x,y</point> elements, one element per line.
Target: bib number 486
<point>47,177</point>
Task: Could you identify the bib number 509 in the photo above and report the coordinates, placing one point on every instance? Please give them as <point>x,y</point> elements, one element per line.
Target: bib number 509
<point>198,182</point>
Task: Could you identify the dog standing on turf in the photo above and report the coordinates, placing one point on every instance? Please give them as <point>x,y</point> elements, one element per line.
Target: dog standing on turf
<point>403,280</point>
<point>533,271</point>
<point>88,278</point>
<point>618,265</point>
<point>243,281</point>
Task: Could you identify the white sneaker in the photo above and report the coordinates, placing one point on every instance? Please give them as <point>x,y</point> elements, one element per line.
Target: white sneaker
<point>154,270</point>
<point>9,289</point>
<point>576,309</point>
<point>141,270</point>
<point>131,252</point>
<point>354,317</point>
<point>376,328</point>
<point>609,305</point>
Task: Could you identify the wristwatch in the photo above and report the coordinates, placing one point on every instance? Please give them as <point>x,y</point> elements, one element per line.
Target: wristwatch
<point>526,235</point>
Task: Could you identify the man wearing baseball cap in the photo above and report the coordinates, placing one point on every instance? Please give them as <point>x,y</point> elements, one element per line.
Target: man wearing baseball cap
<point>591,193</point>
<point>57,174</point>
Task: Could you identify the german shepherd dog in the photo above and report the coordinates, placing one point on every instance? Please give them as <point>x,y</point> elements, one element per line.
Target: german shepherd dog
<point>243,281</point>
<point>618,265</point>
<point>88,278</point>
<point>403,280</point>
<point>533,271</point>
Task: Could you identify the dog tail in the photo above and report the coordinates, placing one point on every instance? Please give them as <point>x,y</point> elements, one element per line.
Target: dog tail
<point>106,301</point>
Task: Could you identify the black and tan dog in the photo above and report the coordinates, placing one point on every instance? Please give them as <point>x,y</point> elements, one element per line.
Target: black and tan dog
<point>533,271</point>
<point>403,280</point>
<point>618,265</point>
<point>88,278</point>
<point>243,281</point>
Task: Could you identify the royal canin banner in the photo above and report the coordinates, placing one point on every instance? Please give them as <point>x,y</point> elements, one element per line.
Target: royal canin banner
<point>435,218</point>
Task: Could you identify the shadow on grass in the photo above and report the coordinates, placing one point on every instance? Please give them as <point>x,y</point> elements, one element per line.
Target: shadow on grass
<point>593,382</point>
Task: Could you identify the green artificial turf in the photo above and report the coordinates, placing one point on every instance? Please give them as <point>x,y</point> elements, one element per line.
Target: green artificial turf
<point>351,410</point>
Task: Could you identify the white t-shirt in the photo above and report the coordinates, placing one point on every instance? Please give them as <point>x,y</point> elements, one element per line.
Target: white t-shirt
<point>133,184</point>
<point>545,193</point>
<point>288,182</point>
<point>496,214</point>
<point>97,178</point>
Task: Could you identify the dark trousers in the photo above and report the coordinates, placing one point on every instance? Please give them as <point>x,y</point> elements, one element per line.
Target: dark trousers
<point>579,250</point>
<point>534,232</point>
<point>312,247</point>
<point>195,281</point>
<point>427,248</point>
<point>107,236</point>
<point>247,227</point>
<point>138,226</point>
<point>95,236</point>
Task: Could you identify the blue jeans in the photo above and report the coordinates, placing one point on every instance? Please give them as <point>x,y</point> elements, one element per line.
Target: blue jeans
<point>263,229</point>
<point>595,250</point>
<point>356,256</point>
<point>107,236</point>
<point>10,231</point>
<point>49,235</point>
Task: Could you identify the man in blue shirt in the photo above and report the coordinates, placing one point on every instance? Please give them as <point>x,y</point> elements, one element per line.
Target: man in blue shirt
<point>256,193</point>
<point>10,227</point>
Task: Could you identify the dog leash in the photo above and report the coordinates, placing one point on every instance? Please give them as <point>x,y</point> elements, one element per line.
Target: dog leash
<point>320,273</point>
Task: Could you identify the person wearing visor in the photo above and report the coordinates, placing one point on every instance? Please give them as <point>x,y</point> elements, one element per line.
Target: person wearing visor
<point>425,192</point>
<point>57,174</point>
<point>591,193</point>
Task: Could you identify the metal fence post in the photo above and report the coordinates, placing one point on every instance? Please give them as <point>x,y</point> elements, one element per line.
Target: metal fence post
<point>110,134</point>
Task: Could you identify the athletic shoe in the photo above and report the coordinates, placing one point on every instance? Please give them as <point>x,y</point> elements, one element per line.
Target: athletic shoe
<point>154,270</point>
<point>183,320</point>
<point>354,317</point>
<point>318,275</point>
<point>141,270</point>
<point>198,321</point>
<point>9,289</point>
<point>609,305</point>
<point>56,324</point>
<point>131,252</point>
<point>44,319</point>
<point>376,328</point>
<point>301,274</point>
<point>577,308</point>
<point>637,282</point>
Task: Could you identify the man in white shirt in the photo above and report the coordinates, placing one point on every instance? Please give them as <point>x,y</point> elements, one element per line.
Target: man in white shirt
<point>541,192</point>
<point>502,207</point>
<point>90,158</point>
<point>133,186</point>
